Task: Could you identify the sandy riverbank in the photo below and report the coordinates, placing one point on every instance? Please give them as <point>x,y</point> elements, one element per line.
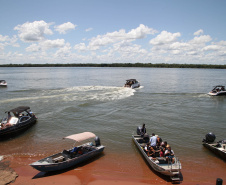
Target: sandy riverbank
<point>98,172</point>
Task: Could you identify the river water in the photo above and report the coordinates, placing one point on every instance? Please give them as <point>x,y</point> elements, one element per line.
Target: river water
<point>173,103</point>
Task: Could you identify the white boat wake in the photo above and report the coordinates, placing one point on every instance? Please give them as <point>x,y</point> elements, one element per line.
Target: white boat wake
<point>80,93</point>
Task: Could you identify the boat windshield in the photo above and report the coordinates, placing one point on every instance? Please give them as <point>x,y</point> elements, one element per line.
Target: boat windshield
<point>219,88</point>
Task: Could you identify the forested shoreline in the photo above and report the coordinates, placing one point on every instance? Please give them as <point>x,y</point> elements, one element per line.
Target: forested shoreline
<point>148,65</point>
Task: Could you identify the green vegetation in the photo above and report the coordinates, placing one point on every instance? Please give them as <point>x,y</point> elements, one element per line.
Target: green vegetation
<point>163,65</point>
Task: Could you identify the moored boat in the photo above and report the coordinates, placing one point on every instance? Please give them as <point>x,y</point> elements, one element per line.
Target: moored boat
<point>159,164</point>
<point>219,148</point>
<point>16,121</point>
<point>73,156</point>
<point>3,83</point>
<point>132,83</point>
<point>218,90</point>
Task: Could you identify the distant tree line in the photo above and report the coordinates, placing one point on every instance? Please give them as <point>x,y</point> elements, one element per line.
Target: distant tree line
<point>150,65</point>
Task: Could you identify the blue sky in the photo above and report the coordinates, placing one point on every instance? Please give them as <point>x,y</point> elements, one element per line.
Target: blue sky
<point>117,31</point>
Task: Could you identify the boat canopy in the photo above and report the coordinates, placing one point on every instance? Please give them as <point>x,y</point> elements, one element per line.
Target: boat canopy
<point>219,86</point>
<point>19,109</point>
<point>131,80</point>
<point>81,137</point>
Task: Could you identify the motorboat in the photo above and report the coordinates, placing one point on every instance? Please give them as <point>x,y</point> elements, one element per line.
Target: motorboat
<point>71,157</point>
<point>218,90</point>
<point>132,83</point>
<point>219,148</point>
<point>3,83</point>
<point>158,164</point>
<point>16,121</point>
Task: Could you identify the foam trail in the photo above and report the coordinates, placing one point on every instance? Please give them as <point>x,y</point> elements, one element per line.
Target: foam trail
<point>101,93</point>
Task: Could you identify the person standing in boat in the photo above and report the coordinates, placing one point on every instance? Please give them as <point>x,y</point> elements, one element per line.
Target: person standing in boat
<point>143,130</point>
<point>153,141</point>
<point>8,116</point>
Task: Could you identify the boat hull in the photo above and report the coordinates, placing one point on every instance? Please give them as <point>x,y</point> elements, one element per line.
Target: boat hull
<point>40,166</point>
<point>168,171</point>
<point>218,151</point>
<point>217,93</point>
<point>17,129</point>
<point>137,85</point>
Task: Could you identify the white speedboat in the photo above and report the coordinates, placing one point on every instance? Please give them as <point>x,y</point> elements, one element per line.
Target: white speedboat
<point>159,164</point>
<point>73,156</point>
<point>3,83</point>
<point>132,83</point>
<point>218,90</point>
<point>219,148</point>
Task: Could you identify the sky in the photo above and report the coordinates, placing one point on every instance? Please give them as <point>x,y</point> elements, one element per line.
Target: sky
<point>113,31</point>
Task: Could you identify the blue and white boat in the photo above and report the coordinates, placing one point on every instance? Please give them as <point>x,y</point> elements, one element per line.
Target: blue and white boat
<point>218,90</point>
<point>3,83</point>
<point>73,156</point>
<point>132,83</point>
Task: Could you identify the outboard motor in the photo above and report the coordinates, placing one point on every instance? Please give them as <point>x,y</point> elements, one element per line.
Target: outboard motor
<point>210,137</point>
<point>97,141</point>
<point>139,130</point>
<point>146,138</point>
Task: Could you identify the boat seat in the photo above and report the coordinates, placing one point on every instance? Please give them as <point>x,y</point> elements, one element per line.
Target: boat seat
<point>143,144</point>
<point>13,120</point>
<point>161,160</point>
<point>58,159</point>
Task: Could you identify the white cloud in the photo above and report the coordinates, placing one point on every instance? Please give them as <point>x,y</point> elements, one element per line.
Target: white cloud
<point>58,43</point>
<point>102,40</point>
<point>89,29</point>
<point>4,38</point>
<point>33,48</point>
<point>201,39</point>
<point>211,48</point>
<point>140,32</point>
<point>64,51</point>
<point>63,28</point>
<point>165,38</point>
<point>116,46</point>
<point>80,47</point>
<point>34,31</point>
<point>7,41</point>
<point>45,45</point>
<point>199,32</point>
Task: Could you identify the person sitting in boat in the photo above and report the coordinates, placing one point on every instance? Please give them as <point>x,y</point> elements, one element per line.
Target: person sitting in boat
<point>151,153</point>
<point>169,154</point>
<point>74,150</point>
<point>158,149</point>
<point>159,140</point>
<point>147,148</point>
<point>7,124</point>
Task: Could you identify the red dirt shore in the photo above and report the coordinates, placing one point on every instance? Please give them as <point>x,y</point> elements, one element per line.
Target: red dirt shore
<point>102,172</point>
